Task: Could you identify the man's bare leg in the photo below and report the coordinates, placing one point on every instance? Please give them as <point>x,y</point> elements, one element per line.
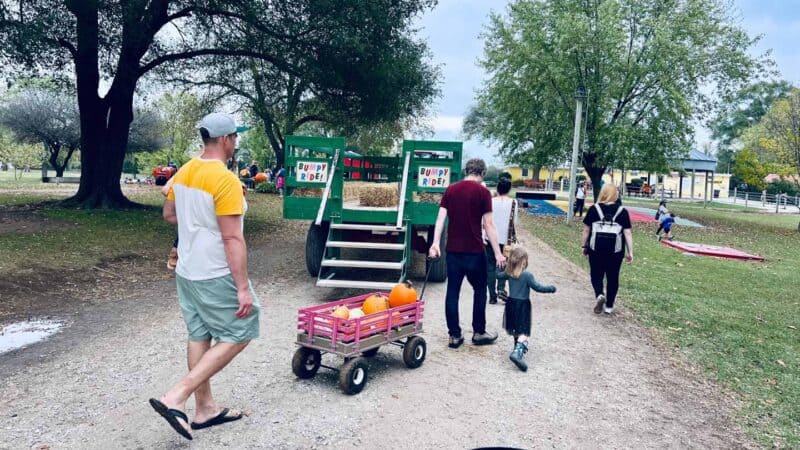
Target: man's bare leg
<point>205,406</point>
<point>210,362</point>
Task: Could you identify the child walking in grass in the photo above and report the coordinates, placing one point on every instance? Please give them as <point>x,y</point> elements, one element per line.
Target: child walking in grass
<point>517,316</point>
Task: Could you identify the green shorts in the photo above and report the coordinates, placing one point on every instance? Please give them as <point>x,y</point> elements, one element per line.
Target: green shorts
<point>209,310</point>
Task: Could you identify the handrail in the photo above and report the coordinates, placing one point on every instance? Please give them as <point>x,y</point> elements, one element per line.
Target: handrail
<point>402,200</point>
<point>326,192</point>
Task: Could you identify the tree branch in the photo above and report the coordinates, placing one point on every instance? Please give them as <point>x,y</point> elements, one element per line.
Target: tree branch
<point>214,52</point>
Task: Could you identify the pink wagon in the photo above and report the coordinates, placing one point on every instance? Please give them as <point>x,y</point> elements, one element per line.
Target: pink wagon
<point>354,339</point>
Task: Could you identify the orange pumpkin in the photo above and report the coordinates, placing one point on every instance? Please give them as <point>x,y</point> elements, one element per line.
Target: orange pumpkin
<point>375,303</point>
<point>341,312</point>
<point>260,177</point>
<point>402,294</point>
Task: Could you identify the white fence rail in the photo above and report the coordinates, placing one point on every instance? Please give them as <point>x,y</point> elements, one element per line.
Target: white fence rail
<point>763,200</point>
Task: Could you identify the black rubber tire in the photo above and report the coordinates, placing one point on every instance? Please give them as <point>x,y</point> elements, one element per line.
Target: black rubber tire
<point>161,180</point>
<point>353,376</point>
<point>438,268</point>
<point>414,352</point>
<point>306,362</point>
<point>315,247</point>
<point>371,352</point>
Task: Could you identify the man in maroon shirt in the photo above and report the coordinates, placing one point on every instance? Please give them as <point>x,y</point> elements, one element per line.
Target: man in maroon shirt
<point>468,207</point>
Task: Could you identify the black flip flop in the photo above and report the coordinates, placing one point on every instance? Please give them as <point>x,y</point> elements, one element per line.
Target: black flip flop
<point>220,418</point>
<point>172,416</point>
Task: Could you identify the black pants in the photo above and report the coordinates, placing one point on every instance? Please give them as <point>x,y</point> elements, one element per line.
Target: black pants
<point>579,206</point>
<point>473,267</point>
<point>608,267</point>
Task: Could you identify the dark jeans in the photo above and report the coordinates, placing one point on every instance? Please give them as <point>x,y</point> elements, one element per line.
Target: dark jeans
<point>494,284</point>
<point>608,267</point>
<point>579,206</point>
<point>472,266</point>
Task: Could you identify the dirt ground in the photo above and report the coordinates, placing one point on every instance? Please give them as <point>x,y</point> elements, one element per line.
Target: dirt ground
<point>594,381</point>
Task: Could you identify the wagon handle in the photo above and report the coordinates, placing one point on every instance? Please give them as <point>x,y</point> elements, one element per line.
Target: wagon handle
<point>427,272</point>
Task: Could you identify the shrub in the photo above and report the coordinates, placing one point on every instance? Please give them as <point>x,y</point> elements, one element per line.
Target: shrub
<point>266,188</point>
<point>782,186</point>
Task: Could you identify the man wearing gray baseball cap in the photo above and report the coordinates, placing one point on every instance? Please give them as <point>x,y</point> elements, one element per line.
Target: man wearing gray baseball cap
<point>207,203</point>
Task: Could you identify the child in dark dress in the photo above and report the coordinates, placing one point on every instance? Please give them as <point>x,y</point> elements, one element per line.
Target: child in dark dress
<point>517,315</point>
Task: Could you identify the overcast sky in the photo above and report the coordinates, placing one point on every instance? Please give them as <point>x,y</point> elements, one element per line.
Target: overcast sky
<point>452,31</point>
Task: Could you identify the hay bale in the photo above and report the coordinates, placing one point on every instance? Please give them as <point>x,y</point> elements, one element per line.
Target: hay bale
<point>370,193</point>
<point>378,194</point>
<point>428,197</point>
<point>306,192</point>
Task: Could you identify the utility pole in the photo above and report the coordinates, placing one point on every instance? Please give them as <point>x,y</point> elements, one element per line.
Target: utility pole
<point>580,96</point>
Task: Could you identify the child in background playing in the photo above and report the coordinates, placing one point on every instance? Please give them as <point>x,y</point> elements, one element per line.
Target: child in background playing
<point>667,222</point>
<point>517,316</point>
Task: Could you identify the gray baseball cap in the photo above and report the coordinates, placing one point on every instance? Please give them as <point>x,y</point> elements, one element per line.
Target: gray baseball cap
<point>220,124</point>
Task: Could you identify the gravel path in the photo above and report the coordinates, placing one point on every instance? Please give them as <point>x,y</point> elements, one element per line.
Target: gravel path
<point>594,382</point>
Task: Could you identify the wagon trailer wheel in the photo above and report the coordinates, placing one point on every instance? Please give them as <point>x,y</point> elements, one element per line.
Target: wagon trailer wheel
<point>306,362</point>
<point>414,352</point>
<point>353,376</point>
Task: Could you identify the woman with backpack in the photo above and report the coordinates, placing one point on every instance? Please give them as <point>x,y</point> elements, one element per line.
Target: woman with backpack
<point>605,240</point>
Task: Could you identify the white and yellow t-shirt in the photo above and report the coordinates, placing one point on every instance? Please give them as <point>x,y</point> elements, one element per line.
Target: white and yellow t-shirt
<point>204,189</point>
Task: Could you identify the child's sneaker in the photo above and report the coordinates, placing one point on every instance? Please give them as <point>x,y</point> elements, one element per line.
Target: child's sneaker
<point>601,301</point>
<point>608,310</point>
<point>518,356</point>
<point>172,260</point>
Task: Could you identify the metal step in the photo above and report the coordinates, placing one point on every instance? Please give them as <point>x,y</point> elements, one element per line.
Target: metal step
<point>366,227</point>
<point>363,264</point>
<point>375,285</point>
<point>368,245</point>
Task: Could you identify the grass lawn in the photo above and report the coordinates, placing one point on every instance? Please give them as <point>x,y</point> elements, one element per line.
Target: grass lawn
<point>77,239</point>
<point>739,321</point>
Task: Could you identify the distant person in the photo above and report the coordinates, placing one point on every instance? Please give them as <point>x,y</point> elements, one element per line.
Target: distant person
<point>517,314</point>
<point>280,180</point>
<point>662,209</point>
<point>215,295</point>
<point>606,238</point>
<point>467,207</point>
<point>580,198</point>
<point>253,169</point>
<point>667,222</point>
<point>504,215</point>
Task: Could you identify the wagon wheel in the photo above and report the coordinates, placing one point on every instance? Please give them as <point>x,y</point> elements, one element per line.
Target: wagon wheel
<point>353,376</point>
<point>414,352</point>
<point>371,352</point>
<point>306,362</point>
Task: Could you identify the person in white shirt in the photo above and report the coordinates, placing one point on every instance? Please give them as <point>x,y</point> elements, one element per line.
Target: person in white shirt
<point>580,199</point>
<point>502,217</point>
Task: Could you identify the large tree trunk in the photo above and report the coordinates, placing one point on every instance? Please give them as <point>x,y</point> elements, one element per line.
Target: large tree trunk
<point>536,169</point>
<point>103,151</point>
<point>104,121</point>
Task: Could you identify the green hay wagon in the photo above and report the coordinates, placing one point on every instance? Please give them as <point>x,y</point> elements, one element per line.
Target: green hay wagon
<point>367,247</point>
